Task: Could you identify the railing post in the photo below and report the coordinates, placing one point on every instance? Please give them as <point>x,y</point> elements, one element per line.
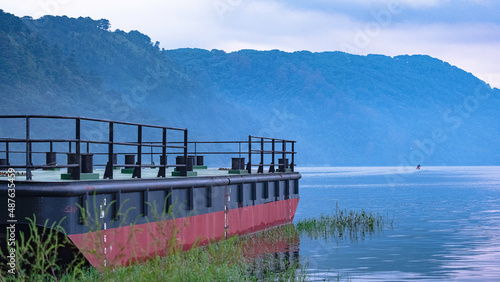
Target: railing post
<point>76,172</point>
<point>249,167</point>
<point>261,165</point>
<point>239,150</point>
<point>283,168</point>
<point>184,171</point>
<point>293,156</point>
<point>152,160</point>
<point>163,167</point>
<point>28,150</point>
<point>7,152</point>
<point>271,167</point>
<point>108,174</point>
<point>138,170</point>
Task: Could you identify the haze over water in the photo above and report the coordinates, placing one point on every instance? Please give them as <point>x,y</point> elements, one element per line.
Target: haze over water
<point>446,223</point>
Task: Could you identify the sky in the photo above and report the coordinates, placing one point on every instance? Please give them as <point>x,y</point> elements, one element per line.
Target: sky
<point>464,33</point>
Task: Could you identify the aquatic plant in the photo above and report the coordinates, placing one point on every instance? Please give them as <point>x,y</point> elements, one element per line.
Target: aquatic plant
<point>343,224</point>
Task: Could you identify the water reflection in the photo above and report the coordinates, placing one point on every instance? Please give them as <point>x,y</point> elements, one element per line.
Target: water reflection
<point>283,264</point>
<point>479,254</point>
<point>448,224</point>
<point>273,252</point>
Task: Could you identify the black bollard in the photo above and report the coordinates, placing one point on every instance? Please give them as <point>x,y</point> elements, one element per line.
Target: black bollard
<point>180,160</point>
<point>199,160</point>
<point>162,161</point>
<point>183,171</point>
<point>3,162</point>
<point>72,160</point>
<point>129,159</point>
<point>87,163</point>
<point>50,158</point>
<point>237,163</point>
<point>284,167</point>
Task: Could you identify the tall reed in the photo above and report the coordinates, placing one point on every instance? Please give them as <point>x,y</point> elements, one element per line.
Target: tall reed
<point>343,224</point>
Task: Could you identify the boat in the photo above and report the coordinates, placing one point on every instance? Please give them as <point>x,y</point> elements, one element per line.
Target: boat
<point>118,205</point>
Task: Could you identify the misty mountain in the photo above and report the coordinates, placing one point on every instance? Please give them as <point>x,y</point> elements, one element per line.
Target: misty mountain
<point>342,109</point>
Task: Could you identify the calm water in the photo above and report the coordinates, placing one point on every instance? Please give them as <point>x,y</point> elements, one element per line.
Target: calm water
<point>447,223</point>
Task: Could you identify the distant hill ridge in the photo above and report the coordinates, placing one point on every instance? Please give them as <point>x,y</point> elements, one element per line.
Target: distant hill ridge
<point>343,109</point>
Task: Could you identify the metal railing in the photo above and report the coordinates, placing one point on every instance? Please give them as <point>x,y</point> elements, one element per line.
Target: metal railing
<point>254,146</point>
<point>78,141</point>
<point>267,148</point>
<point>273,152</point>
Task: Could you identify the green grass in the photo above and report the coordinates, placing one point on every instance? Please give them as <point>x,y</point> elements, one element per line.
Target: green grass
<point>38,255</point>
<point>252,257</point>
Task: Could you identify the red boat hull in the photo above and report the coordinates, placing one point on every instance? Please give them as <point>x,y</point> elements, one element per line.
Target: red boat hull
<point>136,243</point>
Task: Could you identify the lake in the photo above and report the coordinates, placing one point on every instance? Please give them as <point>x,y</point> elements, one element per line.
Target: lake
<point>446,223</point>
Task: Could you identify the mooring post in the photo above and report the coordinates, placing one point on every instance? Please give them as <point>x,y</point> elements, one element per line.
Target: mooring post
<point>87,163</point>
<point>50,158</point>
<point>3,162</point>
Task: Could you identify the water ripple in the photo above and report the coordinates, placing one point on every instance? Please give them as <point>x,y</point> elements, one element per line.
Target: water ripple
<point>448,223</point>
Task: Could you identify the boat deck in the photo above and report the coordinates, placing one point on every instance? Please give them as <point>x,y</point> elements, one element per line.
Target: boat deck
<point>146,173</point>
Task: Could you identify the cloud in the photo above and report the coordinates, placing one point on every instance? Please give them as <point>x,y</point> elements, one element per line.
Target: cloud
<point>473,48</point>
<point>275,25</point>
<point>411,3</point>
<point>465,33</point>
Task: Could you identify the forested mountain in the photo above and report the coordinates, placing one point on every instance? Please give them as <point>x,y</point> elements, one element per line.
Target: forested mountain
<point>343,109</point>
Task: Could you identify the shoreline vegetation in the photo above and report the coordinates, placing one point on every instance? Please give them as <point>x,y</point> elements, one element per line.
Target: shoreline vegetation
<point>343,224</point>
<point>266,255</point>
